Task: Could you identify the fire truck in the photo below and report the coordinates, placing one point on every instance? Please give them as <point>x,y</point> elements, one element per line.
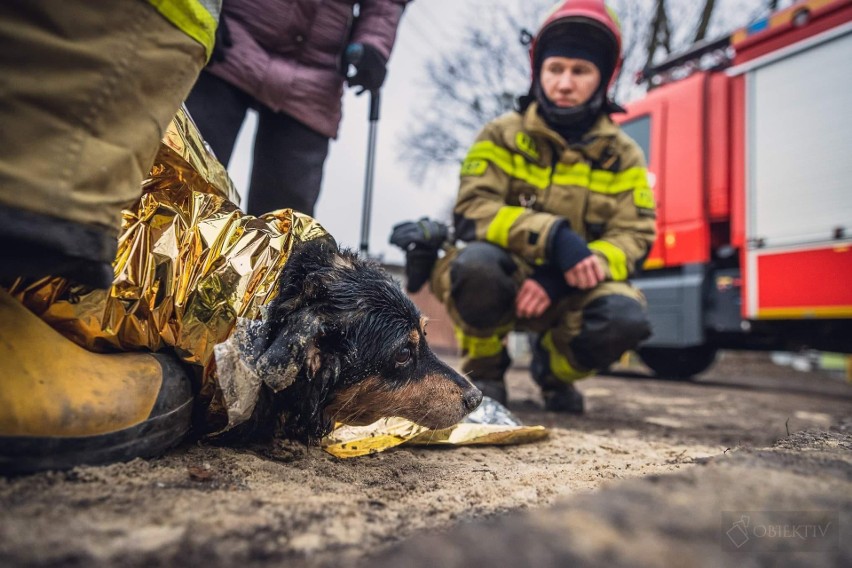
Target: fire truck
<point>749,146</point>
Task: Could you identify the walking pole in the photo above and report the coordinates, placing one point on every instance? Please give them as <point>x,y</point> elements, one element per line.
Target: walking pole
<point>375,100</point>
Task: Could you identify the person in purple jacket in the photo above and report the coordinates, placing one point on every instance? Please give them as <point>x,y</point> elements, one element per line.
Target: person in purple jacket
<point>286,59</point>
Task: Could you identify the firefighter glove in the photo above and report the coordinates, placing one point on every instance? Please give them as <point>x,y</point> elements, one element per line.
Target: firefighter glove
<point>419,262</point>
<point>552,281</point>
<point>568,248</point>
<point>370,66</point>
<point>424,233</point>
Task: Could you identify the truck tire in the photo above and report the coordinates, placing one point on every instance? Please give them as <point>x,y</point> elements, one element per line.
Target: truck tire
<point>678,363</point>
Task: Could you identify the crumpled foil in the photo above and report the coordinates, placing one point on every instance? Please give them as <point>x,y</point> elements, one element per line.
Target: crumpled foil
<point>490,424</point>
<point>189,263</point>
<point>190,266</point>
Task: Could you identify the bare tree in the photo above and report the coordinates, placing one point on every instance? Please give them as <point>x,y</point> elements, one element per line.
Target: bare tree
<point>704,22</point>
<point>480,77</point>
<point>661,35</point>
<point>471,84</point>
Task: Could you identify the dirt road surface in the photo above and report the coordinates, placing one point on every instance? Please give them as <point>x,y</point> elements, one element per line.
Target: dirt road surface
<point>650,475</point>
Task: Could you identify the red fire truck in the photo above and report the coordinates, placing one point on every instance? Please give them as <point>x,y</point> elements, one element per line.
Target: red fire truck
<point>749,147</point>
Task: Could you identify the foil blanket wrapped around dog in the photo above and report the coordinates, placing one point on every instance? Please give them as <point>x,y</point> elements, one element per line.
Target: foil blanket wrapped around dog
<point>189,266</point>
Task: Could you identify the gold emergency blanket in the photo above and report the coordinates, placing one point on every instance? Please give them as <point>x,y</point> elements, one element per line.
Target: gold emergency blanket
<point>189,263</point>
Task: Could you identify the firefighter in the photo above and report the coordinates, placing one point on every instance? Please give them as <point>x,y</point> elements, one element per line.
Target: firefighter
<point>555,208</point>
<point>88,91</point>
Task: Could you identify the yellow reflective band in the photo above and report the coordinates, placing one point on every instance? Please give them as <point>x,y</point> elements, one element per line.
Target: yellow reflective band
<point>512,164</point>
<point>805,312</point>
<point>628,179</point>
<point>574,174</point>
<point>580,174</point>
<point>196,18</point>
<point>498,230</point>
<point>615,257</point>
<point>600,181</point>
<point>559,365</point>
<point>479,347</point>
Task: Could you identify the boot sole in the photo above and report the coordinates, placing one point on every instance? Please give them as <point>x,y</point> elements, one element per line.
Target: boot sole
<point>22,455</point>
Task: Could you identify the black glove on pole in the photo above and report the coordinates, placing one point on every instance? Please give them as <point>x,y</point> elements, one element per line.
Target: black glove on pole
<point>370,66</point>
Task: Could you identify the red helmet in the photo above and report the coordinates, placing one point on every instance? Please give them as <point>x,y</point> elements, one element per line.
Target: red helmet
<point>589,20</point>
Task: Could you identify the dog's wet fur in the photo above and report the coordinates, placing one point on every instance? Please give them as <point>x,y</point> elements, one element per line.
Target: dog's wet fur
<point>353,348</point>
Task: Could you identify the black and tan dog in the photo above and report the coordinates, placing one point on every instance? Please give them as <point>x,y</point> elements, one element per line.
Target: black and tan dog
<point>275,327</point>
<point>352,347</point>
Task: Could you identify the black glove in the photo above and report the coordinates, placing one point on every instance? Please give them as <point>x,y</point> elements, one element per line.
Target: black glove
<point>420,240</point>
<point>552,280</point>
<point>568,248</point>
<point>424,233</point>
<point>370,66</point>
<point>223,41</point>
<point>418,267</point>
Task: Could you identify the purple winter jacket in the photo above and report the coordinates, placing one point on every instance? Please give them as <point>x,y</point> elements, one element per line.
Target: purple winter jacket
<point>287,53</point>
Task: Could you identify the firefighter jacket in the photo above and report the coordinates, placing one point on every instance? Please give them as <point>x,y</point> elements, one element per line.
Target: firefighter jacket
<point>521,180</point>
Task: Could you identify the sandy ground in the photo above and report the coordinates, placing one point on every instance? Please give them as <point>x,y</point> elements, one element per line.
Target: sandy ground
<point>287,504</point>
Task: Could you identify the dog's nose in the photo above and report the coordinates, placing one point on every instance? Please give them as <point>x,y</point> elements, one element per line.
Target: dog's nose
<point>471,398</point>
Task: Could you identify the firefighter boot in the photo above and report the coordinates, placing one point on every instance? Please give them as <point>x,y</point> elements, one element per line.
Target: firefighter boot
<point>558,395</point>
<point>63,406</point>
<point>486,373</point>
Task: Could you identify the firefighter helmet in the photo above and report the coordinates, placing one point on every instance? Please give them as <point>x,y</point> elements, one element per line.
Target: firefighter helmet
<point>589,20</point>
<point>594,26</point>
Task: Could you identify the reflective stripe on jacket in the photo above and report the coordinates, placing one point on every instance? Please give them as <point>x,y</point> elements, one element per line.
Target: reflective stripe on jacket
<point>196,18</point>
<point>520,179</point>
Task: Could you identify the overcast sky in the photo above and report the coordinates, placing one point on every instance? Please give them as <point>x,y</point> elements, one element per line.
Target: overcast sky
<point>425,24</point>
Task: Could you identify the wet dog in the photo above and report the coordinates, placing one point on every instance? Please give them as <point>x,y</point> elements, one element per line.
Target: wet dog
<point>352,347</point>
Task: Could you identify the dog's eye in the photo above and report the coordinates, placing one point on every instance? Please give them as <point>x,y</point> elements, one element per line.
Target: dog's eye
<point>403,356</point>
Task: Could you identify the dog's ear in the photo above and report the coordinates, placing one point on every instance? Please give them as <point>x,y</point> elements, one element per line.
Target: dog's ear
<point>293,353</point>
<point>294,319</point>
<point>287,346</point>
<point>298,364</point>
<point>297,284</point>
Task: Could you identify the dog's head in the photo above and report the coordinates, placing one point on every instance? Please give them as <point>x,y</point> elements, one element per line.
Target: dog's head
<point>354,346</point>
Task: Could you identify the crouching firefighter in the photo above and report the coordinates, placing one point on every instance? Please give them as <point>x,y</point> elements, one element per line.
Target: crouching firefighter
<point>556,213</point>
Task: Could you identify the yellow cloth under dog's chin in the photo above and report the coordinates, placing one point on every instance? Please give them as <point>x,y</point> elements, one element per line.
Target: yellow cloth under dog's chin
<point>354,441</point>
<point>189,263</point>
<point>490,424</point>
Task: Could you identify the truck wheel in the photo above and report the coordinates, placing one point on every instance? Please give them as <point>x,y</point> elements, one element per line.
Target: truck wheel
<point>678,363</point>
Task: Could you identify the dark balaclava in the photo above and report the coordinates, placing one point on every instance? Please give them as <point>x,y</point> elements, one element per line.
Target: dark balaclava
<point>578,39</point>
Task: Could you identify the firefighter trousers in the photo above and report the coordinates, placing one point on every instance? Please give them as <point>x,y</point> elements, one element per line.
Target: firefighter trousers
<point>87,90</point>
<point>581,332</point>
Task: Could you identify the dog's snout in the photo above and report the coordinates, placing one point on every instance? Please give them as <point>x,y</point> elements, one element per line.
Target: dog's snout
<point>471,398</point>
